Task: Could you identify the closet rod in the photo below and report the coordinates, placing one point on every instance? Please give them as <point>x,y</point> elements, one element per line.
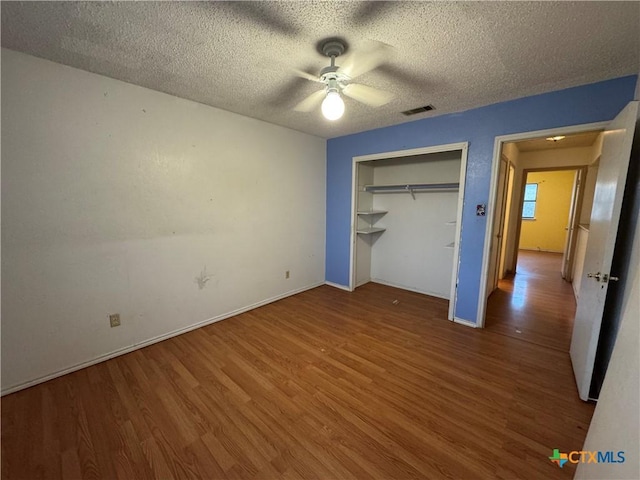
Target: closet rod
<point>410,187</point>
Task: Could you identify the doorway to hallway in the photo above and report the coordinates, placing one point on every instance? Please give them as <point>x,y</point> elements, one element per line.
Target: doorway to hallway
<point>610,155</point>
<point>546,191</point>
<point>535,305</point>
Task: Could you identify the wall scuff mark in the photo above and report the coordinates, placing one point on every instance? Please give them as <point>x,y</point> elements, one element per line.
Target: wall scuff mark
<point>203,278</point>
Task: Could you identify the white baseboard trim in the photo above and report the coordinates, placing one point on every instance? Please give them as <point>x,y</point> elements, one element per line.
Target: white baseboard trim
<point>466,323</point>
<point>410,289</point>
<point>337,285</point>
<point>151,341</point>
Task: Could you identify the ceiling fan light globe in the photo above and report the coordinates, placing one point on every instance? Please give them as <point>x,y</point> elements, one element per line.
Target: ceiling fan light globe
<point>333,106</point>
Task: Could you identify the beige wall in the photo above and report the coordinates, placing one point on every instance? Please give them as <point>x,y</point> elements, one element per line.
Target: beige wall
<point>557,157</point>
<point>510,150</point>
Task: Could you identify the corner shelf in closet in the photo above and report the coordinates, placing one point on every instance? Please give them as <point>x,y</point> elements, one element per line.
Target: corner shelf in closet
<point>370,230</point>
<point>372,212</point>
<point>368,216</point>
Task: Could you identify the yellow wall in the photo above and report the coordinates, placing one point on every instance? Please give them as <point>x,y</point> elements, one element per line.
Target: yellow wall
<point>547,232</point>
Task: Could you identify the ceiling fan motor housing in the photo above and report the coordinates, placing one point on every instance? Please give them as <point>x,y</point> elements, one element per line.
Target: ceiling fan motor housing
<point>330,76</point>
<point>333,48</point>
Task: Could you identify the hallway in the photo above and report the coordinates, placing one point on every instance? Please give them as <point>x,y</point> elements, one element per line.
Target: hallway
<point>535,305</point>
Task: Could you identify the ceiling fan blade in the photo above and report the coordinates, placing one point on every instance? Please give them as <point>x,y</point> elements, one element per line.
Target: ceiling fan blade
<point>367,95</point>
<point>311,102</point>
<point>368,12</point>
<point>305,75</point>
<point>263,14</point>
<point>397,73</point>
<point>366,60</point>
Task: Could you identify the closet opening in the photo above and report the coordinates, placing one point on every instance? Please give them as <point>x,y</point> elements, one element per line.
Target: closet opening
<point>406,217</point>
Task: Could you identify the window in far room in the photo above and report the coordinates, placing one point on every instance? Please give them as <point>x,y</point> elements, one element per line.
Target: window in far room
<point>530,197</point>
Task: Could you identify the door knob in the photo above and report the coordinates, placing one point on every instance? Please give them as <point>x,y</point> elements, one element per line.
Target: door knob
<point>597,276</point>
<point>602,277</point>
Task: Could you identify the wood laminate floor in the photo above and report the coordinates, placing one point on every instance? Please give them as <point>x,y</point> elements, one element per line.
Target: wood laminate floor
<point>325,384</point>
<point>535,305</point>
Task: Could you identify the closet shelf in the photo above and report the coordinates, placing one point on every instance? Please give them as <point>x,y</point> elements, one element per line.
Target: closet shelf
<point>370,230</point>
<point>452,222</point>
<point>372,212</point>
<point>413,187</point>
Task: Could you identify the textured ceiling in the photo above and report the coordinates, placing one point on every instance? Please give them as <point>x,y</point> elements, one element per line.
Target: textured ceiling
<point>236,55</point>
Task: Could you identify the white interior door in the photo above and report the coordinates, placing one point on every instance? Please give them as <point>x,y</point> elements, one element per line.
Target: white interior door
<point>498,226</point>
<point>506,229</point>
<point>572,225</point>
<point>605,215</point>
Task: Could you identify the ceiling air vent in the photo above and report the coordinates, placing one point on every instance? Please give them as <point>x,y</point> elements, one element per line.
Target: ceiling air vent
<point>414,111</point>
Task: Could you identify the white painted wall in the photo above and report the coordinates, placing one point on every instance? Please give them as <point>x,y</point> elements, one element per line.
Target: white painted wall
<point>115,198</point>
<point>411,253</point>
<point>615,425</point>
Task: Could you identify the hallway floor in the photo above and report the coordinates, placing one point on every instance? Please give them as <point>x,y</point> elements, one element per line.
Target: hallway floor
<point>535,305</point>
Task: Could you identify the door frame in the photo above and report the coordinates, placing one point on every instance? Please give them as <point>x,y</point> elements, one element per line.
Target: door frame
<point>507,232</point>
<point>398,154</point>
<point>493,191</point>
<point>577,197</point>
<point>501,203</point>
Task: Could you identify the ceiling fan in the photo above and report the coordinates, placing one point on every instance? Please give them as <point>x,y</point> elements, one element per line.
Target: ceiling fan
<point>337,79</point>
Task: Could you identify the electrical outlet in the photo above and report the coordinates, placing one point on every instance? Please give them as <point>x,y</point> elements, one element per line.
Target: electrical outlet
<point>114,320</point>
<point>286,274</point>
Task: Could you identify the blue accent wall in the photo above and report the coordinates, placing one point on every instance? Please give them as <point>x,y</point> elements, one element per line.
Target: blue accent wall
<point>573,106</point>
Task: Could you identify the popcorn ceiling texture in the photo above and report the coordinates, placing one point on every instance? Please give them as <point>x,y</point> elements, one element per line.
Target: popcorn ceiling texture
<point>235,55</point>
